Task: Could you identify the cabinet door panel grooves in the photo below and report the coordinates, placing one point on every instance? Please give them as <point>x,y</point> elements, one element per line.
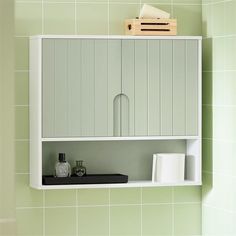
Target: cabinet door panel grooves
<point>154,87</point>
<point>166,87</point>
<point>87,88</point>
<point>192,88</point>
<point>179,78</point>
<point>74,84</point>
<point>128,80</point>
<point>114,86</point>
<point>48,81</point>
<point>101,88</point>
<point>141,96</point>
<point>61,98</point>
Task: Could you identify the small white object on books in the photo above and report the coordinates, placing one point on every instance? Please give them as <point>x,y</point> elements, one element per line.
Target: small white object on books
<point>150,12</point>
<point>168,167</point>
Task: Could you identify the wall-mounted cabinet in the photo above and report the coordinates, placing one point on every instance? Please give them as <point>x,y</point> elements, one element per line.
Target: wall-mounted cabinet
<point>100,88</point>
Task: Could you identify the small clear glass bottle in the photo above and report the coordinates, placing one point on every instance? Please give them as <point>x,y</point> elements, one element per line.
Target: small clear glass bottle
<point>62,167</point>
<point>79,169</point>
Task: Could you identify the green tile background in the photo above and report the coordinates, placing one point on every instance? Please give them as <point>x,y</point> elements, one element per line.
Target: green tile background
<point>98,212</point>
<point>219,129</point>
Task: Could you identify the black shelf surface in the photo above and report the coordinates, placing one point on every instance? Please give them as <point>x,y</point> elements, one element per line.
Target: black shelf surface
<point>87,179</point>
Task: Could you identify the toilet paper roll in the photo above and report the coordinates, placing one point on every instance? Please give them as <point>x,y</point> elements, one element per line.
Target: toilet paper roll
<point>150,12</point>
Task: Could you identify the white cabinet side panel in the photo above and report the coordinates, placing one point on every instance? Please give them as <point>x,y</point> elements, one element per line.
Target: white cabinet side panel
<point>35,114</point>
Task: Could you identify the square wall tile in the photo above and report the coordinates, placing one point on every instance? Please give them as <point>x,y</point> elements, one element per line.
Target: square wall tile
<point>183,212</point>
<point>157,220</point>
<point>218,22</point>
<point>29,222</point>
<point>25,195</point>
<point>125,196</point>
<point>223,157</point>
<point>157,195</point>
<point>60,197</point>
<point>60,221</point>
<point>229,88</point>
<point>229,125</point>
<point>219,123</point>
<point>22,156</point>
<point>229,17</point>
<point>22,122</point>
<point>59,18</point>
<point>92,18</point>
<point>229,53</point>
<point>218,90</point>
<point>189,19</point>
<point>22,53</point>
<point>21,88</point>
<point>93,221</point>
<point>218,52</point>
<point>93,197</point>
<point>207,20</point>
<point>28,18</point>
<point>117,15</point>
<point>187,194</point>
<point>220,193</point>
<point>217,222</point>
<point>125,220</point>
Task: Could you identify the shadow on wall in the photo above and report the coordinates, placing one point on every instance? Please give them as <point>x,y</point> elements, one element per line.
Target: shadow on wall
<point>7,177</point>
<point>207,117</point>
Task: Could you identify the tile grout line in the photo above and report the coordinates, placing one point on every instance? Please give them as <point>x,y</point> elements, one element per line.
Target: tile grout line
<point>107,205</point>
<point>44,218</point>
<point>42,22</point>
<point>77,213</point>
<point>141,192</point>
<point>172,9</point>
<point>109,211</point>
<point>173,212</point>
<point>108,17</point>
<point>75,29</point>
<point>115,3</point>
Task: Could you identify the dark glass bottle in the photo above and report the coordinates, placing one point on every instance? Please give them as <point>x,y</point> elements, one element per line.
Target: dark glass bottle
<point>79,169</point>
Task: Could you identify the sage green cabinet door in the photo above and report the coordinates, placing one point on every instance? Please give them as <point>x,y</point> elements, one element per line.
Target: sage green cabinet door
<point>160,81</point>
<point>192,86</point>
<point>81,78</point>
<point>99,87</point>
<point>185,87</point>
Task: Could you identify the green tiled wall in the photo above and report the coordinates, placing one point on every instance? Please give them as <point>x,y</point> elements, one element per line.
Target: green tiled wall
<point>219,113</point>
<point>148,211</point>
<point>7,128</point>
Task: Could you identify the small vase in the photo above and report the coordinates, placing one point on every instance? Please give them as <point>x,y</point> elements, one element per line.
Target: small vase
<point>79,169</point>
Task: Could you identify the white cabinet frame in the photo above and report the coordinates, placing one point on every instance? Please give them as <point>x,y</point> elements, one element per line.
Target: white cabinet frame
<point>193,143</point>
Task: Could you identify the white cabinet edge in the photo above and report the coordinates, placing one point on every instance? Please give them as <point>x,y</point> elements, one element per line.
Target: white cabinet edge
<point>130,184</point>
<point>113,37</point>
<point>35,113</point>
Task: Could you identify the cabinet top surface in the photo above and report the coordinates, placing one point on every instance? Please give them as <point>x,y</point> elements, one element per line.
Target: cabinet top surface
<point>111,37</point>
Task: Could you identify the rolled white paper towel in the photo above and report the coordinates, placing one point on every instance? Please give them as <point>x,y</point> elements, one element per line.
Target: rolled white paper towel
<point>150,12</point>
